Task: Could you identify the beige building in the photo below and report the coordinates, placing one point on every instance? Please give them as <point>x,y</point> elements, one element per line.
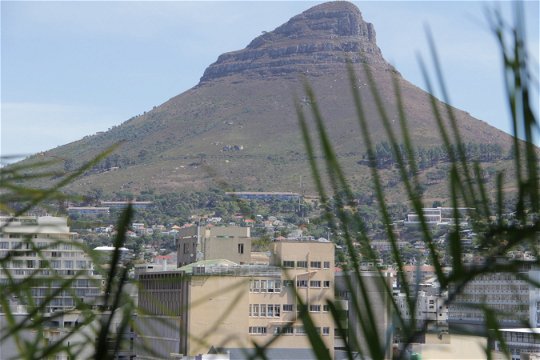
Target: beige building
<point>231,308</point>
<point>196,243</point>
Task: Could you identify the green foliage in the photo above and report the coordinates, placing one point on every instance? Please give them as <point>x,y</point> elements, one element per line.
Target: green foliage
<point>385,157</point>
<point>465,180</point>
<point>498,233</point>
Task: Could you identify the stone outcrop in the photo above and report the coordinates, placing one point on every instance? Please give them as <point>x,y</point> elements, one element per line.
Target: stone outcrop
<point>313,42</point>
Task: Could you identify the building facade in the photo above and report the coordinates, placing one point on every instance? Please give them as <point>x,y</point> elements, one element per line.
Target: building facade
<point>44,248</point>
<point>514,299</point>
<point>233,308</point>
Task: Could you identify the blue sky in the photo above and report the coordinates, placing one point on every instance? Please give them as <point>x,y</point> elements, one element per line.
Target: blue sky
<point>70,69</point>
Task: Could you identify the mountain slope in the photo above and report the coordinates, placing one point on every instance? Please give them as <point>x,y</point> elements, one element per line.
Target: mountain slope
<point>238,126</point>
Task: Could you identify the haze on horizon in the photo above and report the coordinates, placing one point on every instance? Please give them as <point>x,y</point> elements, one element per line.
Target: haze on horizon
<point>70,69</point>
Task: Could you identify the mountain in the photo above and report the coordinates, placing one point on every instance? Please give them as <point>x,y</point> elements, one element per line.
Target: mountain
<point>239,127</point>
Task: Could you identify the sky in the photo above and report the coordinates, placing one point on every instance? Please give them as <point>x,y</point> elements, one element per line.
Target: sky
<point>70,69</point>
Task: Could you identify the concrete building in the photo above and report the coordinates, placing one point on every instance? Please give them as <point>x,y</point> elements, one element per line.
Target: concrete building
<point>44,247</point>
<point>124,204</point>
<point>522,343</point>
<point>196,243</point>
<point>510,295</point>
<point>88,210</point>
<point>71,329</point>
<point>217,305</point>
<point>265,196</point>
<point>439,216</point>
<point>429,307</point>
<point>378,300</point>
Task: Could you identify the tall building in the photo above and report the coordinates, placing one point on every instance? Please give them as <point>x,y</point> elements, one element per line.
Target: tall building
<point>44,247</point>
<point>522,343</point>
<point>514,299</point>
<point>219,305</point>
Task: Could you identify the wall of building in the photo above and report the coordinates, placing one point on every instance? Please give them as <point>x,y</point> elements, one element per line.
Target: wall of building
<point>227,242</point>
<point>45,248</point>
<point>377,301</point>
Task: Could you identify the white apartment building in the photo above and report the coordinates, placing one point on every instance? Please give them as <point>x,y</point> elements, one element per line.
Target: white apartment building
<point>522,343</point>
<point>514,299</point>
<point>44,247</point>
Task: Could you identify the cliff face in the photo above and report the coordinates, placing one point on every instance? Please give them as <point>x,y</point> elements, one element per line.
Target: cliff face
<point>320,38</point>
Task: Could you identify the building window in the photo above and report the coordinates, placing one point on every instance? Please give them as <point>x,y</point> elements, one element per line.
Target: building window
<point>288,264</point>
<point>68,264</point>
<point>300,330</point>
<point>274,286</point>
<point>315,264</point>
<point>315,283</point>
<point>301,264</point>
<point>277,310</point>
<point>326,331</point>
<point>257,330</point>
<point>4,245</point>
<point>287,307</point>
<point>255,309</point>
<point>314,308</point>
<point>285,330</point>
<point>301,283</point>
<point>326,283</point>
<point>327,264</point>
<point>263,310</point>
<point>326,308</point>
<point>240,248</point>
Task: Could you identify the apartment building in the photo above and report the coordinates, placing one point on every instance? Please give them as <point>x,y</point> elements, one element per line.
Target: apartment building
<point>514,299</point>
<point>218,305</point>
<point>522,343</point>
<point>45,248</point>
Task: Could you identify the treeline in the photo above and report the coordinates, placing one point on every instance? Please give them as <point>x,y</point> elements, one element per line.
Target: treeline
<point>426,157</point>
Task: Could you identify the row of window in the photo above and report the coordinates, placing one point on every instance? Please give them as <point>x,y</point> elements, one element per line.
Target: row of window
<point>273,310</point>
<point>42,292</point>
<point>44,254</point>
<point>265,286</point>
<point>54,264</point>
<point>286,330</point>
<point>38,244</point>
<point>304,264</point>
<point>264,310</point>
<point>312,283</point>
<point>274,286</point>
<point>29,272</point>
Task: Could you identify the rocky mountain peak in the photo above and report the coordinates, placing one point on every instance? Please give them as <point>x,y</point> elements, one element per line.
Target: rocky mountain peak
<point>320,38</point>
